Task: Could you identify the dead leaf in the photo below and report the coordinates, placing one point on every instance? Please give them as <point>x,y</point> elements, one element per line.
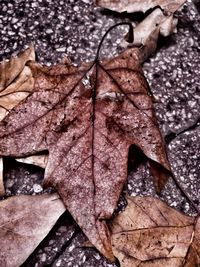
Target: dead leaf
<point>24,222</point>
<point>86,118</point>
<point>146,33</point>
<point>149,233</point>
<point>140,5</point>
<point>16,81</point>
<point>159,22</point>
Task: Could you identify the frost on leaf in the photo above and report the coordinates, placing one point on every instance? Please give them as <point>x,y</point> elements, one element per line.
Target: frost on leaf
<point>150,233</point>
<point>87,118</point>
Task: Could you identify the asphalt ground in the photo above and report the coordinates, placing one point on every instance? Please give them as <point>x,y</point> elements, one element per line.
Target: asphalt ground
<point>75,28</point>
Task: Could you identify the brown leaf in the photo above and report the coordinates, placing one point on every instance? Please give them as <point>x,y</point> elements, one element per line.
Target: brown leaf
<point>140,5</point>
<point>86,118</point>
<point>149,233</point>
<point>16,81</point>
<point>24,222</point>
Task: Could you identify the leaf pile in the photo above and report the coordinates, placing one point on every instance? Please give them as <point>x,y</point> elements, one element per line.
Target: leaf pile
<point>87,118</point>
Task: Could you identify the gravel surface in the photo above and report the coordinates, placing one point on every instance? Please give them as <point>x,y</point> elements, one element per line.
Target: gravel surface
<point>75,28</point>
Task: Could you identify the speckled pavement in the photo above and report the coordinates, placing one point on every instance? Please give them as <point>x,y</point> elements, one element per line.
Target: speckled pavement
<point>75,28</point>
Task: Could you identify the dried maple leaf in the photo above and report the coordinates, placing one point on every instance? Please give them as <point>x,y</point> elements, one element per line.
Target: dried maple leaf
<point>149,233</point>
<point>24,222</point>
<point>87,118</point>
<point>140,5</point>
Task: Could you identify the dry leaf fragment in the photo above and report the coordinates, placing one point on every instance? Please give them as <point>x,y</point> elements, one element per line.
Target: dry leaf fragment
<point>16,81</point>
<point>2,190</point>
<point>149,233</point>
<point>140,5</point>
<point>86,118</point>
<point>38,160</point>
<point>24,222</point>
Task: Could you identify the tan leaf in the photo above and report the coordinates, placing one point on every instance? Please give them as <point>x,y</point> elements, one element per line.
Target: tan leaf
<point>10,69</point>
<point>38,160</point>
<point>150,233</point>
<point>24,222</point>
<point>158,22</point>
<point>16,81</point>
<point>140,5</point>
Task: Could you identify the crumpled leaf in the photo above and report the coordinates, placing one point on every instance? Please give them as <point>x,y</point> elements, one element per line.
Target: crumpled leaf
<point>150,233</point>
<point>159,22</point>
<point>146,33</point>
<point>24,222</point>
<point>87,118</point>
<point>140,5</point>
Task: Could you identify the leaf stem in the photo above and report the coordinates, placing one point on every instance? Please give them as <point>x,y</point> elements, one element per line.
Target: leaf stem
<point>130,36</point>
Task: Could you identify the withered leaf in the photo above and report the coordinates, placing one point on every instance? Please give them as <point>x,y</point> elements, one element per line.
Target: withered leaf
<point>24,222</point>
<point>150,233</point>
<point>146,33</point>
<point>140,5</point>
<point>87,118</point>
<point>16,81</point>
<point>160,21</point>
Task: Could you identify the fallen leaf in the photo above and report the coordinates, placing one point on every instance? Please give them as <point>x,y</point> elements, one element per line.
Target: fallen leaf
<point>150,233</point>
<point>87,118</point>
<point>16,81</point>
<point>159,22</point>
<point>146,33</point>
<point>24,222</point>
<point>140,5</point>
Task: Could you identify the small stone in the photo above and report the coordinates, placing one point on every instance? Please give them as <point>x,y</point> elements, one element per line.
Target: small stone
<point>76,8</point>
<point>37,188</point>
<point>43,257</point>
<point>61,49</point>
<point>58,263</point>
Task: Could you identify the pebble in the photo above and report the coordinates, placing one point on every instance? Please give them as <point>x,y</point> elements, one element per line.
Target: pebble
<point>37,188</point>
